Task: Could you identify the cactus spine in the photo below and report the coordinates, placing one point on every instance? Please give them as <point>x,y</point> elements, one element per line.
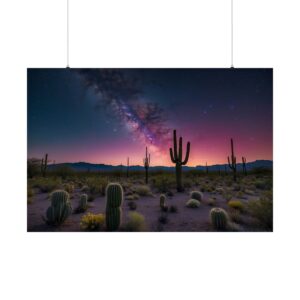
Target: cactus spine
<point>146,161</point>
<point>176,158</point>
<point>44,165</point>
<point>60,208</point>
<point>244,165</point>
<point>114,199</point>
<point>219,218</point>
<point>232,164</point>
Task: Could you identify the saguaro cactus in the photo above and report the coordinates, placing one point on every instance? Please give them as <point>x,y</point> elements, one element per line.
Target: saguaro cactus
<point>60,208</point>
<point>244,165</point>
<point>232,164</point>
<point>44,164</point>
<point>146,161</point>
<point>176,157</point>
<point>127,170</point>
<point>114,199</point>
<point>206,168</point>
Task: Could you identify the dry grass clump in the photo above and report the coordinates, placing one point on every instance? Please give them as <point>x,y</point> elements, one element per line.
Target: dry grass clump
<point>92,222</point>
<point>143,190</point>
<point>136,222</point>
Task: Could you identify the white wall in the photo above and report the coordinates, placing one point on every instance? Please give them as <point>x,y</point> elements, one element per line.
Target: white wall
<point>156,33</point>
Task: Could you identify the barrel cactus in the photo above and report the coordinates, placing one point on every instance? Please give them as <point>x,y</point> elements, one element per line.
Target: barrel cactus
<point>60,208</point>
<point>114,199</point>
<point>219,218</point>
<point>82,207</point>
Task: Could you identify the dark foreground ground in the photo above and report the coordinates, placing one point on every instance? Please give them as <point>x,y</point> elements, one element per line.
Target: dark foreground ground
<point>248,189</point>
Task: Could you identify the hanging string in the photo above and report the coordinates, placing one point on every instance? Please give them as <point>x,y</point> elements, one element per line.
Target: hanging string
<point>232,34</point>
<point>68,34</point>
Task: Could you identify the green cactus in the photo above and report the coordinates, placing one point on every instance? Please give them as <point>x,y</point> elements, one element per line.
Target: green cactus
<point>232,165</point>
<point>162,201</point>
<point>82,207</point>
<point>44,165</point>
<point>219,218</point>
<point>146,161</point>
<point>60,208</point>
<point>244,165</point>
<point>114,199</point>
<point>176,158</point>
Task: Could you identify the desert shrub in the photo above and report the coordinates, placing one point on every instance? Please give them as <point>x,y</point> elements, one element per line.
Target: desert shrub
<point>163,183</point>
<point>219,218</point>
<point>33,167</point>
<point>262,210</point>
<point>133,197</point>
<point>63,171</point>
<point>173,209</point>
<point>236,204</point>
<point>196,195</point>
<point>220,190</point>
<point>240,194</point>
<point>187,183</point>
<point>227,196</point>
<point>92,222</point>
<point>132,205</point>
<point>69,187</point>
<point>264,184</point>
<point>97,185</point>
<point>211,201</point>
<point>193,203</point>
<point>206,188</point>
<point>136,222</point>
<point>30,192</point>
<point>236,216</point>
<point>85,189</point>
<point>143,190</point>
<point>46,185</point>
<point>249,192</point>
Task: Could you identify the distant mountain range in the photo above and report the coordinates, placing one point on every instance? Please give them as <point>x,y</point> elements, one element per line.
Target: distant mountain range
<point>83,166</point>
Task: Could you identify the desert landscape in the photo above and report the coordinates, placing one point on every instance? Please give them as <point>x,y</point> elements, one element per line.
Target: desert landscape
<point>103,158</point>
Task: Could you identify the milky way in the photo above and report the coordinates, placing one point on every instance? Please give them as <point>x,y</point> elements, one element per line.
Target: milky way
<point>123,94</point>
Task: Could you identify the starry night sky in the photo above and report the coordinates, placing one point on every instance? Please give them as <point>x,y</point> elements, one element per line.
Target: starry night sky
<point>107,115</point>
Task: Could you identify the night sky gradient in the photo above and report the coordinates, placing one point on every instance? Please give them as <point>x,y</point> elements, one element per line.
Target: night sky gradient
<point>107,115</point>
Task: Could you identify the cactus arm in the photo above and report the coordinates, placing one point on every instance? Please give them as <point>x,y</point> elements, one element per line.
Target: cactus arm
<point>175,145</point>
<point>187,154</point>
<point>172,156</point>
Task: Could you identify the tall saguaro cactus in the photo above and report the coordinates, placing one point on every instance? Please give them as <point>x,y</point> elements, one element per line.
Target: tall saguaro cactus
<point>176,158</point>
<point>232,164</point>
<point>206,168</point>
<point>44,164</point>
<point>244,165</point>
<point>146,161</point>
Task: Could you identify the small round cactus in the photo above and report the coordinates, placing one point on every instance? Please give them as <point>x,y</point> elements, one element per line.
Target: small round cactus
<point>114,199</point>
<point>82,207</point>
<point>193,203</point>
<point>219,218</point>
<point>197,195</point>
